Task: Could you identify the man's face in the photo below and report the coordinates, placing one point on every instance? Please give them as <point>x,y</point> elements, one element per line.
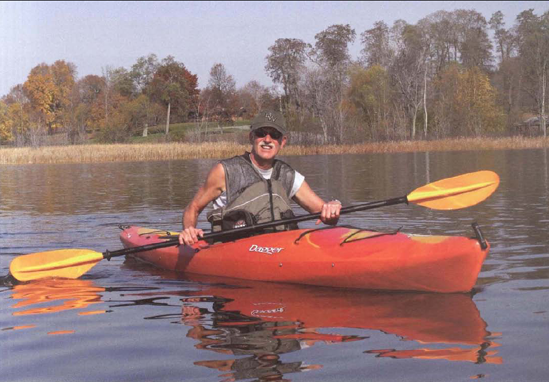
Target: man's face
<point>267,142</point>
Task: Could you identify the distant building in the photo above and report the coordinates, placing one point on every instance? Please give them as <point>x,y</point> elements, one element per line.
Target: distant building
<point>531,126</point>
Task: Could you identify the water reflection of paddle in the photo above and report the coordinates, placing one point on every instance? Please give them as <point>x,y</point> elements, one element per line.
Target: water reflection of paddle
<point>55,295</point>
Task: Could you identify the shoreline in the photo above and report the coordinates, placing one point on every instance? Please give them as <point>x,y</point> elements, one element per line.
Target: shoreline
<point>102,153</point>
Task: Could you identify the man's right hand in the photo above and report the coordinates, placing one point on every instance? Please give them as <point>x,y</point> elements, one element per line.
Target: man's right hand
<point>190,236</point>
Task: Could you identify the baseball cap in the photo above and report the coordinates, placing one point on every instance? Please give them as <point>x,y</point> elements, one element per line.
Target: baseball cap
<point>269,118</point>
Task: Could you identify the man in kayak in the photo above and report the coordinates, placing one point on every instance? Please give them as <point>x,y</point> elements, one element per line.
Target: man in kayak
<point>255,187</point>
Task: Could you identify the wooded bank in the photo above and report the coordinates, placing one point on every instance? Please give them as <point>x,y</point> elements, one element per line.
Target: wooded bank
<point>452,74</point>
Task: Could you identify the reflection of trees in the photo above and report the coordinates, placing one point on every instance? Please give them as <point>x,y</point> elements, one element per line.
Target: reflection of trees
<point>77,189</point>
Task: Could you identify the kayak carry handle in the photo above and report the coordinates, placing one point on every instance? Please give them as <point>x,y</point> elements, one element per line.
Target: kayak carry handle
<point>479,236</point>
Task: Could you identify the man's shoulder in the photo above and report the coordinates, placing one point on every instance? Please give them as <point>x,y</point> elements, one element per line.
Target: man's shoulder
<point>280,163</point>
<point>235,159</point>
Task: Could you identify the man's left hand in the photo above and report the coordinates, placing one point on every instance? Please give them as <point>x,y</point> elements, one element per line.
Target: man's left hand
<point>330,213</point>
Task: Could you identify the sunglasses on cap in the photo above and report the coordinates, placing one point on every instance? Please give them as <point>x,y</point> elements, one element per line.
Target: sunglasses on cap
<point>262,133</point>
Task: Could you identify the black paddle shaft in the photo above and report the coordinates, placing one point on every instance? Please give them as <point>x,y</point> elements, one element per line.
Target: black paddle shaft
<point>212,235</point>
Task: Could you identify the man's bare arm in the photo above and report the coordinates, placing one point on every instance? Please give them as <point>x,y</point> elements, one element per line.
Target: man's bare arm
<point>311,202</point>
<point>210,190</point>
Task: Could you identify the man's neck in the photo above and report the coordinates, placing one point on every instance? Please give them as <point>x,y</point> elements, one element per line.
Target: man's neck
<point>260,163</point>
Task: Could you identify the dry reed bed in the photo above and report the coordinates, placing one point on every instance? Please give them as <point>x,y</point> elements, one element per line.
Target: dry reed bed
<point>171,151</point>
<point>459,144</point>
<point>116,153</point>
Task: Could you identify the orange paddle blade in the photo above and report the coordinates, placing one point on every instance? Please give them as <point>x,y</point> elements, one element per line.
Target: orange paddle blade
<point>458,192</point>
<point>63,263</point>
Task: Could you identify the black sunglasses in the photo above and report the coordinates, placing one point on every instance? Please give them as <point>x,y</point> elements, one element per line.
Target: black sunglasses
<point>261,133</point>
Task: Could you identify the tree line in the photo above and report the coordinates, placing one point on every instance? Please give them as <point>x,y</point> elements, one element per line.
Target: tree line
<point>451,74</point>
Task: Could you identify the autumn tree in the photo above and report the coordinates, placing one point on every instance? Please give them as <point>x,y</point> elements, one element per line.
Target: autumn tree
<point>507,78</point>
<point>331,54</point>
<point>476,102</point>
<point>174,87</point>
<point>285,64</point>
<point>15,122</point>
<point>409,71</point>
<point>222,98</point>
<point>377,45</point>
<point>465,103</point>
<point>504,38</point>
<point>5,123</point>
<point>48,88</point>
<point>533,47</point>
<point>332,46</point>
<point>91,109</point>
<point>317,100</point>
<point>117,88</point>
<point>475,47</point>
<point>142,72</point>
<point>442,34</point>
<point>128,120</point>
<point>253,96</point>
<point>123,83</point>
<point>370,92</point>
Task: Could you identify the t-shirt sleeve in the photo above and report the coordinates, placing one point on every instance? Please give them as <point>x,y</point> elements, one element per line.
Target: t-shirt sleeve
<point>298,181</point>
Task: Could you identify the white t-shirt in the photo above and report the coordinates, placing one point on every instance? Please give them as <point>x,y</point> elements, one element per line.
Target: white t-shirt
<point>221,201</point>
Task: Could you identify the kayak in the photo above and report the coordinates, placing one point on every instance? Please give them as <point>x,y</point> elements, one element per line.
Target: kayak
<point>341,256</point>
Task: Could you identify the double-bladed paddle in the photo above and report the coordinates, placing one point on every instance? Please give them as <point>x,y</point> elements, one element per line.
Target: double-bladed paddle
<point>447,194</point>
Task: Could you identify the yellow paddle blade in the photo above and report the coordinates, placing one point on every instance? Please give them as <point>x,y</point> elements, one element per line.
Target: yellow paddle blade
<point>63,263</point>
<point>458,192</point>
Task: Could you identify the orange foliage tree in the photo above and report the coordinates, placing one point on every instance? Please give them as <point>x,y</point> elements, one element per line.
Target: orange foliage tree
<point>5,123</point>
<point>48,89</point>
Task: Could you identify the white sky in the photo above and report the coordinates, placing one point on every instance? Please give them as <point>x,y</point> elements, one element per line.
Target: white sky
<point>93,35</point>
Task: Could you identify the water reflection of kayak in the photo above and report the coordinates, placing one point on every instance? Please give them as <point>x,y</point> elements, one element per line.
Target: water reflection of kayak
<point>255,319</point>
<point>422,317</point>
<point>335,257</point>
<point>444,326</point>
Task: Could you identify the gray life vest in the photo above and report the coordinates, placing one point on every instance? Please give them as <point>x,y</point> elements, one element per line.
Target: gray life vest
<point>252,199</point>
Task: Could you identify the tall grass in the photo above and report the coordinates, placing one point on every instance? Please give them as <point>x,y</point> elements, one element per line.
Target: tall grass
<point>95,153</point>
<point>458,144</point>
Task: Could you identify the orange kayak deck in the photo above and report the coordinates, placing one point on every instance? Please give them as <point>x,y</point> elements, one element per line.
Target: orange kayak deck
<point>344,257</point>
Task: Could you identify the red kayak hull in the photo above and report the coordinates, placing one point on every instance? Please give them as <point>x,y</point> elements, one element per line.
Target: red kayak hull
<point>336,257</point>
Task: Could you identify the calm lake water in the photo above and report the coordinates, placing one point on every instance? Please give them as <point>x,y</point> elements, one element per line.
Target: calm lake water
<point>123,321</point>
